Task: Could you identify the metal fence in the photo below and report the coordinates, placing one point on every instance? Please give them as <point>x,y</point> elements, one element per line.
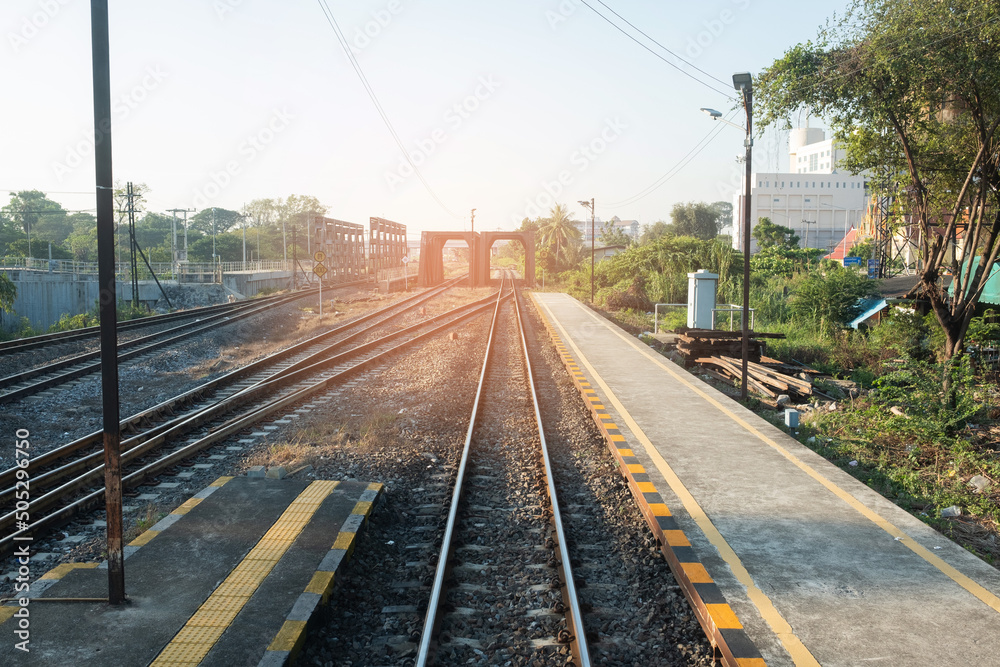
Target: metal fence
<point>731,308</point>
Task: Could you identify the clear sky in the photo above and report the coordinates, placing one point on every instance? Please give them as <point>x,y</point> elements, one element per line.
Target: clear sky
<point>505,106</point>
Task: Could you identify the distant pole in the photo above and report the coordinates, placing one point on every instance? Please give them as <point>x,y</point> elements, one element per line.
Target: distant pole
<point>590,205</point>
<point>213,234</point>
<point>592,250</point>
<point>108,298</point>
<point>743,82</point>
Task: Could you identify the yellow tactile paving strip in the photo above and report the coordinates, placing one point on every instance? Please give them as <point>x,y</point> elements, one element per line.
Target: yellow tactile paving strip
<point>716,616</point>
<point>203,629</point>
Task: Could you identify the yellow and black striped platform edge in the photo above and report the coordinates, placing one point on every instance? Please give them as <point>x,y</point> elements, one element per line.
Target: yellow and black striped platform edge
<point>717,618</point>
<point>288,642</point>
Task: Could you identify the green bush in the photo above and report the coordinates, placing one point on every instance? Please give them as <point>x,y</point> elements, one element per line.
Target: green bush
<point>830,298</point>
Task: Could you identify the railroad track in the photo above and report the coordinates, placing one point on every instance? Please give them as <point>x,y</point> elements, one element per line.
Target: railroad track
<point>503,584</point>
<point>91,333</point>
<point>20,385</point>
<point>69,479</point>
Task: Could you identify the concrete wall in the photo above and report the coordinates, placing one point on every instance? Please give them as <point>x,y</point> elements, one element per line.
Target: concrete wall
<point>43,297</point>
<point>250,283</point>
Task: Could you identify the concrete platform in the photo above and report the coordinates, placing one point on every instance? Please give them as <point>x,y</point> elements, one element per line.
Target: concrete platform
<point>230,578</point>
<point>778,546</point>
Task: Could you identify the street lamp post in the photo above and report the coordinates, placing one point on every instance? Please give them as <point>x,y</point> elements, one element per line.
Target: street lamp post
<point>590,205</point>
<point>743,82</point>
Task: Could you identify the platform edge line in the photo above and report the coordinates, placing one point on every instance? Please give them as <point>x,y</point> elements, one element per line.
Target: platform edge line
<point>712,623</point>
<point>976,589</point>
<point>286,645</point>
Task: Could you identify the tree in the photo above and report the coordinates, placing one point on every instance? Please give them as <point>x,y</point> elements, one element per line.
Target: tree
<point>30,210</point>
<point>699,220</point>
<point>613,235</point>
<point>912,90</point>
<point>214,220</point>
<point>654,231</point>
<point>831,298</point>
<point>725,211</point>
<point>8,292</point>
<point>767,234</point>
<point>558,233</point>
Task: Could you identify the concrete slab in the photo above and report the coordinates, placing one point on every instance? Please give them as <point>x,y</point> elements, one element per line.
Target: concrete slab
<point>816,567</point>
<point>231,577</point>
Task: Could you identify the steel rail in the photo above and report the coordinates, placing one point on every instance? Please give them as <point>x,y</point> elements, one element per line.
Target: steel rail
<point>215,434</point>
<point>578,642</point>
<point>135,421</point>
<point>146,343</point>
<point>86,333</point>
<point>431,619</point>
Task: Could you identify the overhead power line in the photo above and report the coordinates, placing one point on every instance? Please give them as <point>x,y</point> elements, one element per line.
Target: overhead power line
<point>674,170</point>
<point>673,53</point>
<point>728,94</point>
<point>378,106</point>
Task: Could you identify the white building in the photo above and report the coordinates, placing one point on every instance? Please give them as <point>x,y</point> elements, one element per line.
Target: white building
<point>816,200</point>
<point>629,227</point>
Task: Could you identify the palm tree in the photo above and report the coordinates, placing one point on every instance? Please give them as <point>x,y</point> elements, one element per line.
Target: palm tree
<point>558,232</point>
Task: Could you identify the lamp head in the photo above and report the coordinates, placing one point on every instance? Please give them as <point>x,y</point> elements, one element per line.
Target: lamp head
<point>742,80</point>
<point>584,203</point>
<point>712,112</point>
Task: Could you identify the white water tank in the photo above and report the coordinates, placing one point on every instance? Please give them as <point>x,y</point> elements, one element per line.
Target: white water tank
<point>803,136</point>
<point>702,287</point>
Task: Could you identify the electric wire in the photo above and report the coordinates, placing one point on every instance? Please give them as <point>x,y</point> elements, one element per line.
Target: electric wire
<point>617,27</point>
<point>328,13</point>
<point>674,54</point>
<point>674,170</point>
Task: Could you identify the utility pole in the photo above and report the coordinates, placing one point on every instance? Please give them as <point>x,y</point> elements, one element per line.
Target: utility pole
<point>177,257</point>
<point>590,205</point>
<point>134,263</point>
<point>213,234</point>
<point>592,249</point>
<point>243,219</point>
<point>101,57</point>
<point>743,82</point>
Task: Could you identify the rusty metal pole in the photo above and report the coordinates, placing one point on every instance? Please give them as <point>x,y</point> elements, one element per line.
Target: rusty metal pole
<point>108,298</point>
